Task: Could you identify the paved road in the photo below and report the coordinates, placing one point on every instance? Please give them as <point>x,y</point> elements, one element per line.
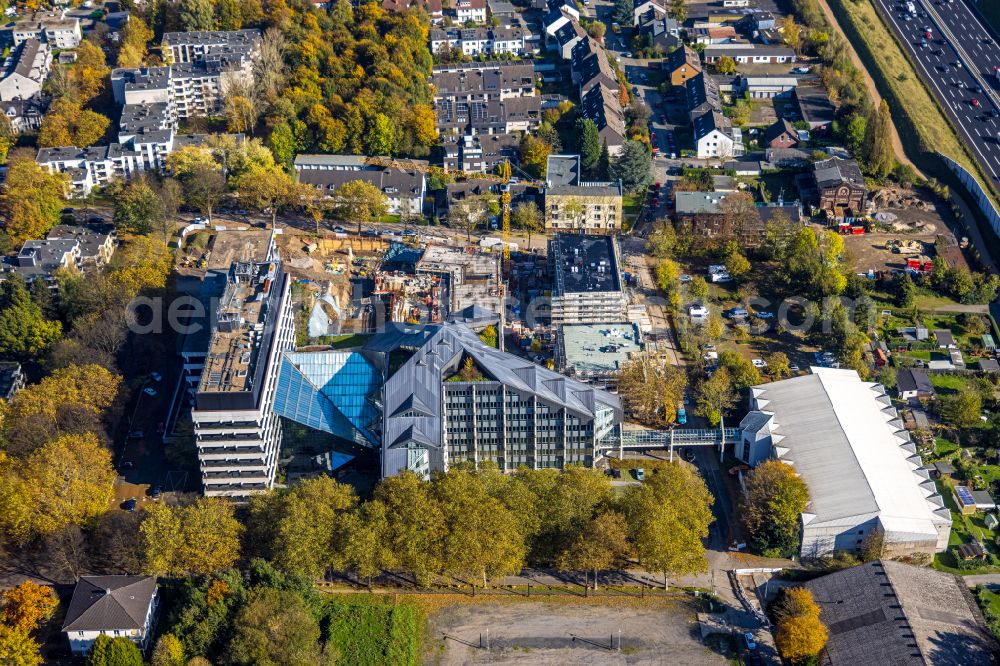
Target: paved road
<point>958,61</point>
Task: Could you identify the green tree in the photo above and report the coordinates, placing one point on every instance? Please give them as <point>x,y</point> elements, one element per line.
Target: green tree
<point>472,211</point>
<point>590,142</point>
<point>416,532</point>
<point>274,628</point>
<point>360,201</point>
<point>482,536</point>
<point>663,239</point>
<point>138,208</point>
<point>668,517</point>
<point>303,531</point>
<point>633,166</point>
<point>698,288</point>
<point>716,396</point>
<point>381,137</point>
<point>778,365</point>
<point>603,170</point>
<point>743,373</point>
<point>623,12</point>
<point>196,15</point>
<point>527,216</point>
<point>736,264</point>
<point>196,539</point>
<point>962,409</point>
<point>18,648</point>
<point>67,123</point>
<point>771,507</point>
<point>31,201</point>
<point>601,545</point>
<point>117,651</point>
<point>204,187</point>
<point>562,503</point>
<point>267,189</point>
<point>24,331</point>
<point>169,651</point>
<point>877,148</point>
<point>854,131</point>
<point>365,547</point>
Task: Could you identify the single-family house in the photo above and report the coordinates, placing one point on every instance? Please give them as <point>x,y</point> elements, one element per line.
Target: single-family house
<point>780,135</point>
<point>115,606</point>
<point>914,383</point>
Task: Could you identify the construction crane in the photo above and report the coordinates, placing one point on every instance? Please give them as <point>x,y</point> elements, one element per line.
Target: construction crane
<point>502,178</point>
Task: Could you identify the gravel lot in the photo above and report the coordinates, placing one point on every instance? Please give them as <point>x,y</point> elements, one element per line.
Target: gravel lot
<point>539,633</point>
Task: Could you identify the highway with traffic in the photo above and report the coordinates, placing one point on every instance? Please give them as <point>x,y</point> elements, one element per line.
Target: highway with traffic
<point>958,55</point>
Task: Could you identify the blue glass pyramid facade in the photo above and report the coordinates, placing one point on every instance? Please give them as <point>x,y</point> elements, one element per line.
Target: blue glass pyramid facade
<point>330,391</point>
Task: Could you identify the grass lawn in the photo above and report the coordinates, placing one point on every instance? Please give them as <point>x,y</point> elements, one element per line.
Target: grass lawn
<point>923,126</point>
<point>948,383</point>
<point>369,631</point>
<point>929,301</point>
<point>989,599</point>
<point>944,448</point>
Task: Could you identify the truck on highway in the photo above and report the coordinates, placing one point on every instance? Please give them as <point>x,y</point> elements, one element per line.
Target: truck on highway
<point>911,8</point>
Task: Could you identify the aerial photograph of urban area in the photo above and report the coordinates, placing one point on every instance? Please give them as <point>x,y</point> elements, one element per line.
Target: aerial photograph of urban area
<point>499,332</point>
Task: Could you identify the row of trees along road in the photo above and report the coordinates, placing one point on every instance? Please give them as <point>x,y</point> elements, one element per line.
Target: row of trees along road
<point>483,524</point>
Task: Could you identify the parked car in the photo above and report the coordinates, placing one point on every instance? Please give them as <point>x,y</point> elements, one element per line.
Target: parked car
<point>149,390</point>
<point>156,377</point>
<point>129,505</point>
<point>640,474</point>
<point>759,363</point>
<point>136,434</point>
<point>156,492</point>
<point>751,643</point>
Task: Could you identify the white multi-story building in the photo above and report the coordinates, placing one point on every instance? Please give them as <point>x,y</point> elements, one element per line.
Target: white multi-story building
<point>474,42</point>
<point>237,432</point>
<point>57,30</point>
<point>25,71</point>
<point>113,606</point>
<point>470,11</point>
<point>232,46</point>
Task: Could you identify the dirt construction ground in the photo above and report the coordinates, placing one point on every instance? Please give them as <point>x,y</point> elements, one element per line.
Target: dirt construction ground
<point>555,634</point>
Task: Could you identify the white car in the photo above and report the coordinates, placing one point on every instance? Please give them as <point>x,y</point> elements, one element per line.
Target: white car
<point>759,363</point>
<point>685,278</point>
<point>626,54</point>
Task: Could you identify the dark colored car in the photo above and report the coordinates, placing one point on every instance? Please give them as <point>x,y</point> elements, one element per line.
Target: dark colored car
<point>129,505</point>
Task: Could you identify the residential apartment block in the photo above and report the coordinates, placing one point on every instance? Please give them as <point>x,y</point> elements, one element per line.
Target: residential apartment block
<point>474,42</point>
<point>25,71</point>
<point>714,134</point>
<point>237,432</point>
<point>52,28</point>
<point>588,280</point>
<point>572,204</point>
<point>480,99</point>
<point>153,99</point>
<point>234,46</point>
<point>404,187</point>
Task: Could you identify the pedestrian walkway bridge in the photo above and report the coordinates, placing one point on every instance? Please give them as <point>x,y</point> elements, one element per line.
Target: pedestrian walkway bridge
<point>643,438</point>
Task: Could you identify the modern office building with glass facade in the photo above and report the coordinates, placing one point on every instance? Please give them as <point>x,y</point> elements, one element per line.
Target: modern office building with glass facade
<point>458,399</point>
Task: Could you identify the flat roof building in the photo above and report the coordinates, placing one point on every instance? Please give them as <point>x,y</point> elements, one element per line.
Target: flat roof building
<point>588,281</point>
<point>845,440</point>
<point>237,432</point>
<point>595,353</point>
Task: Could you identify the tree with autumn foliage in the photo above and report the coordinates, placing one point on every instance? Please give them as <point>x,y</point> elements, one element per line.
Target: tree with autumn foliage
<point>27,606</point>
<point>68,481</point>
<point>31,200</point>
<point>800,633</point>
<point>192,540</point>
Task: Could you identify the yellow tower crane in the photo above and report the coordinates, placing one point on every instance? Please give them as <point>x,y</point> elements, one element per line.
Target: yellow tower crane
<point>502,177</point>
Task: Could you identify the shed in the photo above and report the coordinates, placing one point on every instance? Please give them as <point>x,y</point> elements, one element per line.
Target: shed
<point>972,551</point>
<point>989,344</point>
<point>943,469</point>
<point>984,501</point>
<point>945,340</point>
<point>989,365</point>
